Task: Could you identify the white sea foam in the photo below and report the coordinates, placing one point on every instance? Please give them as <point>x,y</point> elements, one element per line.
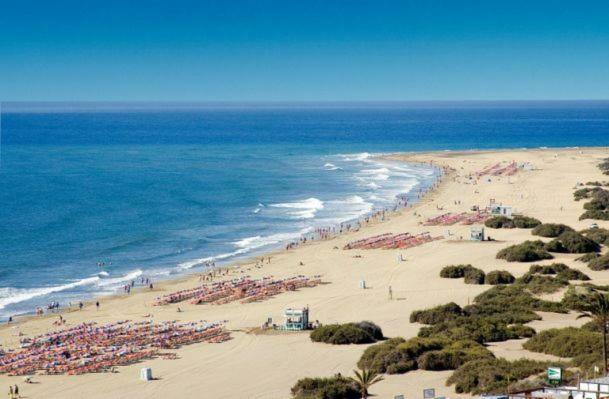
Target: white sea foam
<point>363,156</point>
<point>331,166</point>
<point>9,295</point>
<point>301,209</point>
<point>115,281</point>
<point>254,242</point>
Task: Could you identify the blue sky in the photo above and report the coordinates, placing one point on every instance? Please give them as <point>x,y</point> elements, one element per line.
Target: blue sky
<point>303,50</point>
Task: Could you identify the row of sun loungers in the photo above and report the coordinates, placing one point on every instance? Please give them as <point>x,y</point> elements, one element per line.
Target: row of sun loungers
<point>390,241</point>
<point>244,289</point>
<point>448,219</point>
<point>89,348</point>
<point>498,170</point>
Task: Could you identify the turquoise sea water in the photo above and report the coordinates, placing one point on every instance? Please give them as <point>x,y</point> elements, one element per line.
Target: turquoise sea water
<point>158,190</point>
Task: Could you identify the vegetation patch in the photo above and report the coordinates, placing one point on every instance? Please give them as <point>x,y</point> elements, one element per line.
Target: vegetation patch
<point>573,243</point>
<point>493,375</point>
<point>587,257</point>
<point>604,166</point>
<point>364,332</point>
<point>528,251</point>
<point>550,230</point>
<point>497,277</point>
<point>471,274</point>
<point>565,342</point>
<point>397,356</point>
<point>598,235</point>
<point>599,263</point>
<point>598,206</point>
<point>325,388</point>
<point>504,222</point>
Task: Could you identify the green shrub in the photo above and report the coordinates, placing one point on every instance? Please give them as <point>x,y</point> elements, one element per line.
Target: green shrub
<point>550,230</point>
<point>436,314</point>
<point>585,193</point>
<point>452,356</point>
<point>560,270</point>
<point>596,215</point>
<point>350,333</point>
<point>497,277</point>
<point>499,222</point>
<point>397,356</point>
<point>473,276</point>
<point>492,375</point>
<point>573,243</point>
<point>604,166</point>
<point>511,299</point>
<point>598,235</point>
<point>470,273</point>
<point>565,342</point>
<point>528,251</point>
<point>453,271</point>
<point>525,222</point>
<point>600,263</point>
<point>325,388</point>
<point>587,257</point>
<point>540,284</point>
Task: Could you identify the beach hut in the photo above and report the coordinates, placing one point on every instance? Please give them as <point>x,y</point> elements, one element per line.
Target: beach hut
<point>296,319</point>
<point>476,234</point>
<point>500,210</point>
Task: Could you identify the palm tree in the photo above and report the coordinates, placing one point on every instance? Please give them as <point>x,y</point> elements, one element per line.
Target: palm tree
<point>365,379</point>
<point>598,310</point>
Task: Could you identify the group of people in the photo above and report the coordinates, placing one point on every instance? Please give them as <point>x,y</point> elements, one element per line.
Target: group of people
<point>242,289</point>
<point>88,348</point>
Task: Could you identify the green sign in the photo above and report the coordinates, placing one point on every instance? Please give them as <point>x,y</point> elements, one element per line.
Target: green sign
<point>554,374</point>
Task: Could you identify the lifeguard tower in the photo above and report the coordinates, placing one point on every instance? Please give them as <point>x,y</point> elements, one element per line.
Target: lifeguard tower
<point>296,319</point>
<point>476,234</point>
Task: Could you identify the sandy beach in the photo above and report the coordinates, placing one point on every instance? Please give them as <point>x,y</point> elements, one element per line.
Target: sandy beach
<point>267,365</point>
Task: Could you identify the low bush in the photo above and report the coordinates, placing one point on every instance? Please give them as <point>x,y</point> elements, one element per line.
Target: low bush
<point>492,375</point>
<point>560,270</point>
<point>397,356</point>
<point>350,333</point>
<point>499,222</point>
<point>497,277</point>
<point>325,388</point>
<point>525,222</point>
<point>437,314</point>
<point>596,215</point>
<point>548,279</point>
<point>454,271</point>
<point>599,263</point>
<point>468,272</point>
<point>604,166</point>
<point>573,243</point>
<point>585,193</point>
<point>540,284</point>
<point>598,235</point>
<point>588,257</point>
<point>504,222</point>
<point>473,276</point>
<point>565,342</point>
<point>528,251</point>
<point>452,356</point>
<point>550,230</point>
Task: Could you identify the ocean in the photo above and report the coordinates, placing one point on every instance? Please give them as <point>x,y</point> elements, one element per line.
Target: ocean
<point>93,196</point>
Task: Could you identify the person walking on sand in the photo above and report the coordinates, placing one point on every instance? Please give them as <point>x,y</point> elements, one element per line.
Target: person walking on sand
<point>97,305</point>
<point>16,391</point>
<point>10,392</point>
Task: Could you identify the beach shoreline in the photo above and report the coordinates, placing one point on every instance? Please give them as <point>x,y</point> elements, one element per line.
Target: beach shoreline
<point>415,280</point>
